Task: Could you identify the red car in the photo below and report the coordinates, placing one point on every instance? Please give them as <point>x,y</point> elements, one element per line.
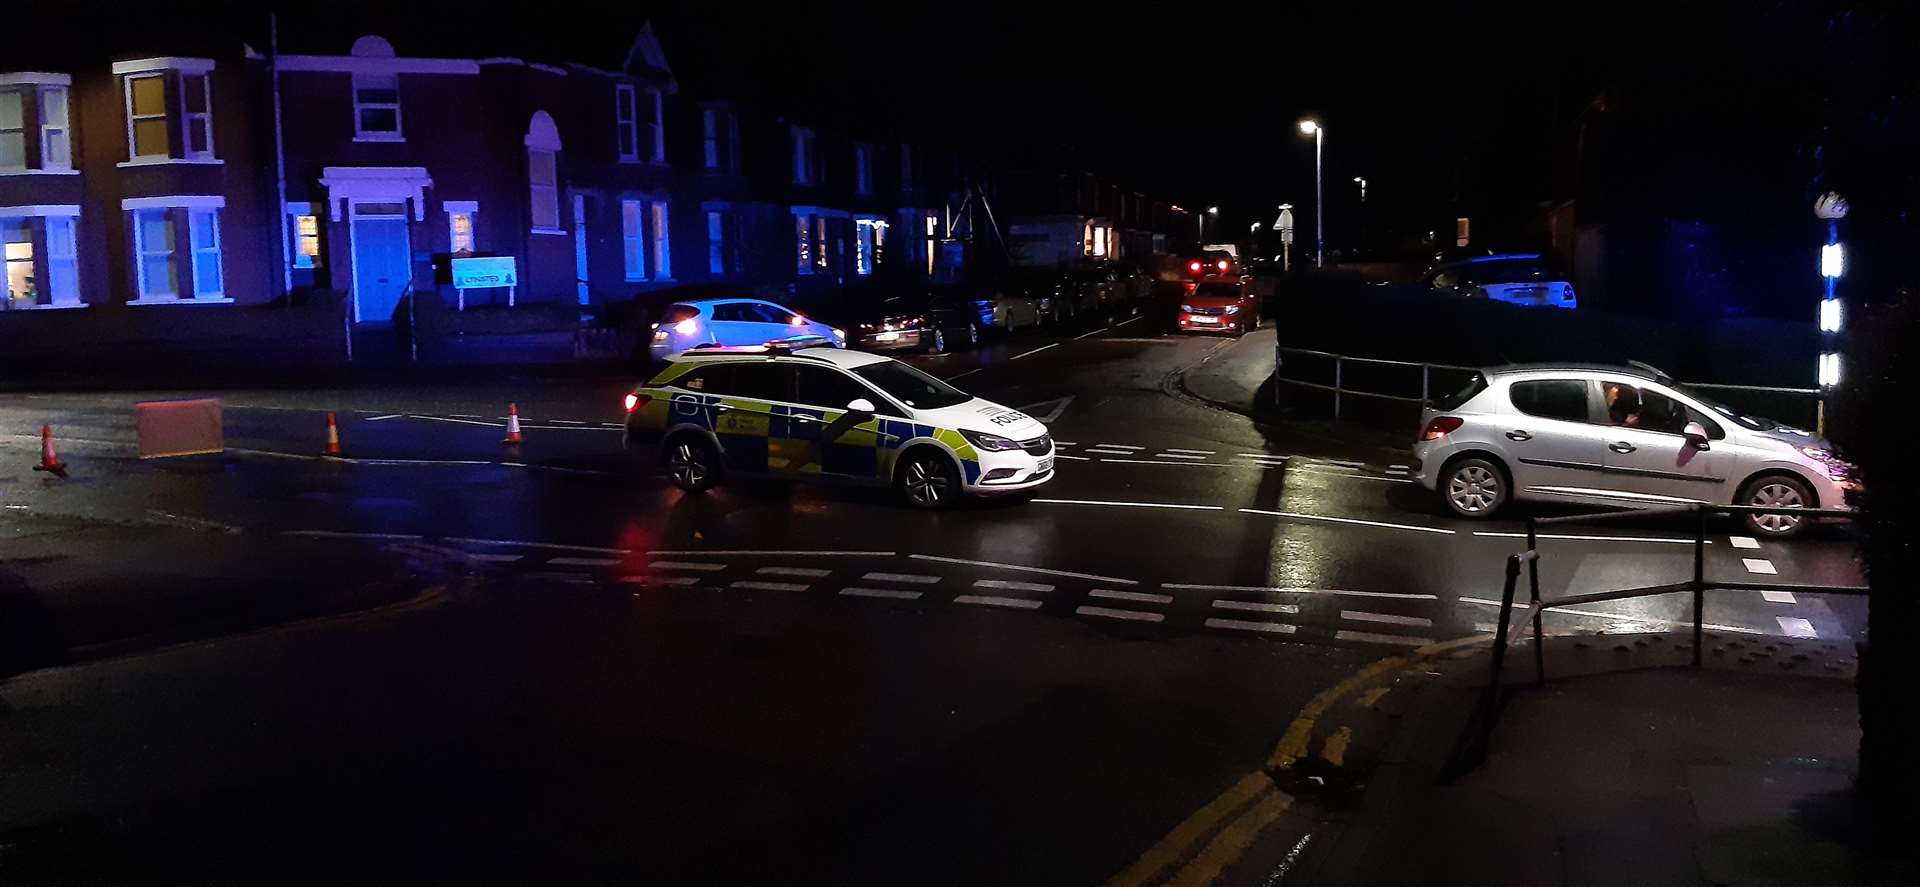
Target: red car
<point>1219,305</point>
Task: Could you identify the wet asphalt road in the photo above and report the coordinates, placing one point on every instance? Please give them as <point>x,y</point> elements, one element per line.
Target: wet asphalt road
<point>793,683</point>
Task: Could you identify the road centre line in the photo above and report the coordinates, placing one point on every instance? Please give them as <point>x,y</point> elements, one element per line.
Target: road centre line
<point>890,593</point>
<point>1118,613</point>
<point>1249,625</point>
<point>1759,565</point>
<point>1094,333</point>
<point>1034,351</point>
<point>1119,446</point>
<point>496,558</point>
<point>686,565</point>
<point>1134,320</point>
<point>1345,463</point>
<point>502,424</point>
<point>1074,458</point>
<point>1588,538</point>
<point>1371,638</point>
<point>807,572</point>
<point>965,374</point>
<point>1393,595</point>
<point>1743,542</point>
<point>1042,570</point>
<point>385,417</point>
<point>1193,452</point>
<point>1263,457</point>
<point>1137,504</point>
<point>1101,452</point>
<point>751,552</point>
<point>584,561</point>
<point>1256,607</point>
<point>988,600</point>
<point>752,585</point>
<point>464,415</point>
<point>1389,618</point>
<point>1179,456</point>
<point>1260,466</point>
<point>1138,597</point>
<point>910,578</point>
<point>473,421</point>
<point>566,421</point>
<point>589,549</point>
<point>1618,617</point>
<point>1345,520</point>
<point>1011,586</point>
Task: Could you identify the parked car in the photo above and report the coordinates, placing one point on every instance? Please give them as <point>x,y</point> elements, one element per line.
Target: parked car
<point>1052,293</point>
<point>1219,305</point>
<point>1514,278</point>
<point>707,323</point>
<point>832,415</point>
<point>1130,284</point>
<point>1617,436</point>
<point>938,319</point>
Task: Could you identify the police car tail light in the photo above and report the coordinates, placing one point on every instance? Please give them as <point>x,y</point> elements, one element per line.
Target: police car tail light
<point>1441,426</point>
<point>636,401</point>
<point>687,327</point>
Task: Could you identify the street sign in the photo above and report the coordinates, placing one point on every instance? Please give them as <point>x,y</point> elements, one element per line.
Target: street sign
<point>1285,225</point>
<point>484,272</point>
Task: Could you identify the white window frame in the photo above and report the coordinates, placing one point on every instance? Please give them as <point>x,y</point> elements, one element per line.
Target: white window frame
<point>863,169</point>
<point>377,81</point>
<point>63,249</point>
<point>20,93</point>
<point>803,142</point>
<point>189,118</point>
<point>538,193</point>
<point>64,160</point>
<point>626,123</point>
<point>633,243</point>
<point>134,206</point>
<point>133,147</point>
<point>803,243</point>
<point>6,271</point>
<point>659,241</point>
<point>717,263</point>
<point>143,293</point>
<point>710,133</point>
<point>456,209</point>
<point>657,128</point>
<point>208,220</point>
<point>302,258</point>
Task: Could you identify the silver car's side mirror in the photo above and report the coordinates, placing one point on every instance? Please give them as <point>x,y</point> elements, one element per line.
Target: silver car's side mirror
<point>1696,435</point>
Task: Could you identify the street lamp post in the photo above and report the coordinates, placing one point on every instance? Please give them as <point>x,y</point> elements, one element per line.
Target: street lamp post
<point>1211,211</point>
<point>1830,208</point>
<point>1319,133</point>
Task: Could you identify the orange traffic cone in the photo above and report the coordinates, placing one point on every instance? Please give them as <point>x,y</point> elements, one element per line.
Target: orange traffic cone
<point>333,438</point>
<point>49,462</point>
<point>513,424</point>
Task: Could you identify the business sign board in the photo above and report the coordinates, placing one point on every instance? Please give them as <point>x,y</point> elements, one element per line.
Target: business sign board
<point>482,272</point>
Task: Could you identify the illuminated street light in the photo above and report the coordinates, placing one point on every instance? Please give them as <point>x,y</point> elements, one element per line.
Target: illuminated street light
<point>1829,315</point>
<point>1833,260</point>
<point>1313,128</point>
<point>1829,369</point>
<point>1829,208</point>
<point>1362,182</point>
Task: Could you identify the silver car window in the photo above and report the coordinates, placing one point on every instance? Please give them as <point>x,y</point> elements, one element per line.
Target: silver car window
<point>1563,399</point>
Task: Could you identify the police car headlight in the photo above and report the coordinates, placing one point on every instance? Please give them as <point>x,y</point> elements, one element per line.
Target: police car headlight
<point>992,443</point>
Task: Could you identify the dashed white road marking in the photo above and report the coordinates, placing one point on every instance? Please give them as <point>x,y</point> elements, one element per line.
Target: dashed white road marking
<point>659,580</point>
<point>497,558</point>
<point>584,561</point>
<point>1676,540</point>
<point>1117,613</point>
<point>1134,320</point>
<point>464,415</point>
<point>804,572</point>
<point>687,565</point>
<point>1795,627</point>
<point>1094,333</point>
<point>988,600</point>
<point>566,421</point>
<point>1065,443</point>
<point>385,417</point>
<point>908,578</point>
<point>752,585</point>
<point>1249,625</point>
<point>1620,617</point>
<point>1389,618</point>
<point>1010,585</point>
<point>1024,569</point>
<point>1074,458</point>
<point>1778,597</point>
<point>891,593</point>
<point>1100,452</point>
<point>1250,465</point>
<point>749,552</point>
<point>1180,456</point>
<point>1389,480</point>
<point>1371,638</point>
<point>1033,352</point>
<point>1119,446</point>
<point>551,546</point>
<point>1138,597</point>
<point>473,421</point>
<point>1268,456</point>
<point>1743,541</point>
<point>1190,452</point>
<point>1256,607</point>
<point>1346,520</point>
<point>1759,565</point>
<point>965,374</point>
<point>1137,505</point>
<point>1395,595</point>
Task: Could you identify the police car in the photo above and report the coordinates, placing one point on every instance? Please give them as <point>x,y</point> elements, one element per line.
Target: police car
<point>830,414</point>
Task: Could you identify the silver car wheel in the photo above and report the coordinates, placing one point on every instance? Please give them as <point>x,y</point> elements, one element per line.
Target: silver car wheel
<point>1777,495</point>
<point>926,483</point>
<point>1473,489</point>
<point>686,467</point>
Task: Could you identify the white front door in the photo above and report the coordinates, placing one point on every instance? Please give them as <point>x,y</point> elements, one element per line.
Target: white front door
<point>580,246</point>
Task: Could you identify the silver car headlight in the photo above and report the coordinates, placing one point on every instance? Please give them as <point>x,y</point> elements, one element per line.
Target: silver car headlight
<point>992,443</point>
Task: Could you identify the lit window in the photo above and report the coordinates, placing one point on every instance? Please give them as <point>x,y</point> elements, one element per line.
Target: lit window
<point>306,235</point>
<point>203,232</point>
<point>63,263</point>
<point>13,129</point>
<point>544,184</point>
<point>657,238</point>
<point>820,258</point>
<point>153,242</point>
<point>870,240</point>
<point>633,240</point>
<point>460,230</point>
<point>802,231</point>
<point>376,107</point>
<point>626,118</point>
<point>17,237</point>
<point>932,241</point>
<point>147,115</point>
<point>56,147</point>
<point>196,114</point>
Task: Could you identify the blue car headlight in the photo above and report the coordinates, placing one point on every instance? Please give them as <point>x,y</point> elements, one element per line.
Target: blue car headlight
<point>992,443</point>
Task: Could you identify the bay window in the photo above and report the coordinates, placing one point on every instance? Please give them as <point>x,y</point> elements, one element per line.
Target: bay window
<point>719,245</point>
<point>16,249</point>
<point>203,232</point>
<point>626,122</point>
<point>657,236</point>
<point>633,248</point>
<point>41,265</point>
<point>645,241</point>
<point>13,129</point>
<point>147,116</point>
<point>56,145</point>
<point>169,110</point>
<point>158,278</point>
<point>177,250</point>
<point>196,115</point>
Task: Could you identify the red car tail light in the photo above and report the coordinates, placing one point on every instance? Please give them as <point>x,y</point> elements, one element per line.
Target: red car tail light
<point>1194,267</point>
<point>1441,426</point>
<point>636,401</point>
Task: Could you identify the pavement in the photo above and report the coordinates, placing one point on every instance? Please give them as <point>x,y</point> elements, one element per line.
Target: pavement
<point>579,673</point>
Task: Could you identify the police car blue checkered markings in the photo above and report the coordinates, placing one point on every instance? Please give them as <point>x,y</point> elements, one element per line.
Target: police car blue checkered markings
<point>833,415</point>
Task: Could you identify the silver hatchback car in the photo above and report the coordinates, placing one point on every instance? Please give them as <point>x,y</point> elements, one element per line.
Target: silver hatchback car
<point>1621,436</point>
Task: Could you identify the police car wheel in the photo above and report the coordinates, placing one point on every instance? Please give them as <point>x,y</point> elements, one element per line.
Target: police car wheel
<point>692,464</point>
<point>927,480</point>
<point>973,334</point>
<point>939,340</point>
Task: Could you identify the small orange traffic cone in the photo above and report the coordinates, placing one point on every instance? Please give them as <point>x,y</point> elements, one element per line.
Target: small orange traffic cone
<point>49,462</point>
<point>513,425</point>
<point>333,438</point>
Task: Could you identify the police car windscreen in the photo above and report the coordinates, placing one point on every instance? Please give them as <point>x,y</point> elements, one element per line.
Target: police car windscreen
<point>910,386</point>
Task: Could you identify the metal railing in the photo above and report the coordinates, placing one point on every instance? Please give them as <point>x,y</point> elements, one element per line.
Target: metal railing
<point>1699,585</point>
<point>1340,390</point>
